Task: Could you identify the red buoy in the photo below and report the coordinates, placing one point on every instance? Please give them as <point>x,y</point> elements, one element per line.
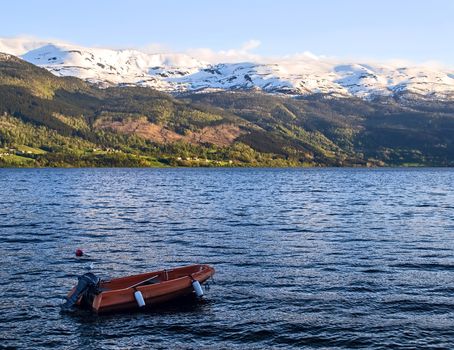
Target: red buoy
<point>79,252</point>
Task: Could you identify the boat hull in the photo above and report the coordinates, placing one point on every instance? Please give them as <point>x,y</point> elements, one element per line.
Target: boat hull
<point>117,295</point>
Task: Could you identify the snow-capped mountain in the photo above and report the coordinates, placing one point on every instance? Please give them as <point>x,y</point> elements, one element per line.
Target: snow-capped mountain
<point>180,73</point>
<point>113,67</point>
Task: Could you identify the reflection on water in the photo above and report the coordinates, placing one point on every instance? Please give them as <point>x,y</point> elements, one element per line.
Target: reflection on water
<point>317,258</point>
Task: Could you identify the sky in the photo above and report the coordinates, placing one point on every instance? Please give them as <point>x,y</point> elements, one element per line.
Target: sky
<point>418,30</point>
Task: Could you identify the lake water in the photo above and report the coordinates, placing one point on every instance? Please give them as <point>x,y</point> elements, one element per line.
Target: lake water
<point>305,258</point>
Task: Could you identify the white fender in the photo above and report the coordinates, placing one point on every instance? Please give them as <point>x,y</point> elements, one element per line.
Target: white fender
<point>139,298</point>
<point>197,288</point>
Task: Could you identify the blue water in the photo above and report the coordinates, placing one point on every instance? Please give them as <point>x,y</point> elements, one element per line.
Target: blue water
<point>316,258</point>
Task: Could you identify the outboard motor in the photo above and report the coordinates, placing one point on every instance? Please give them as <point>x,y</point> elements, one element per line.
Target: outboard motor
<point>87,282</point>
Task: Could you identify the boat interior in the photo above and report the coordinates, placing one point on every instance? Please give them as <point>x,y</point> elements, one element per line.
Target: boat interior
<point>150,278</point>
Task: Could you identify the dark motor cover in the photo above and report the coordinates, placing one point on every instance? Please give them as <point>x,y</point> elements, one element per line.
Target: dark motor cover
<point>88,282</point>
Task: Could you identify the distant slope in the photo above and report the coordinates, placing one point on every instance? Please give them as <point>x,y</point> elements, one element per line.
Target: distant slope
<point>69,122</point>
<point>345,130</point>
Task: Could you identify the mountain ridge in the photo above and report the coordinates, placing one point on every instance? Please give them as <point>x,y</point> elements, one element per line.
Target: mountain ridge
<point>181,73</point>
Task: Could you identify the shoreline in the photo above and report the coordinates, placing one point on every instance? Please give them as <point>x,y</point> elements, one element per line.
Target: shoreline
<point>236,167</point>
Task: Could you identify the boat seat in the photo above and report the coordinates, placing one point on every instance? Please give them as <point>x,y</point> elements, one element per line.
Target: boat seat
<point>153,281</point>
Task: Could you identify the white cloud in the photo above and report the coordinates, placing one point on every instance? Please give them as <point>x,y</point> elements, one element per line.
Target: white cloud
<point>20,45</point>
<point>155,48</point>
<point>304,55</point>
<point>242,53</point>
<point>251,45</point>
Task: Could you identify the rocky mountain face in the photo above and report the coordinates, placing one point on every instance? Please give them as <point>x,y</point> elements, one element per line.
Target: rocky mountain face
<point>180,73</point>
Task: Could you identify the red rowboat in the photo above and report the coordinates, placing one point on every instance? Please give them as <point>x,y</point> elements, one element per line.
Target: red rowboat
<point>134,292</point>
